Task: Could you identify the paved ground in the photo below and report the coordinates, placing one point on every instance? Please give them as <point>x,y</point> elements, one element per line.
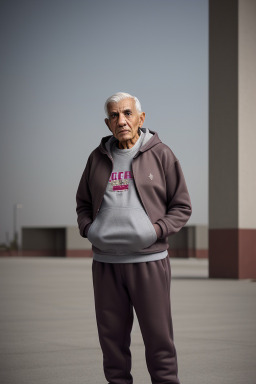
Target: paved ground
<point>49,336</point>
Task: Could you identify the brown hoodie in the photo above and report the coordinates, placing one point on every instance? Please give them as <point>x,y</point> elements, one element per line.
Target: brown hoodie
<point>161,187</point>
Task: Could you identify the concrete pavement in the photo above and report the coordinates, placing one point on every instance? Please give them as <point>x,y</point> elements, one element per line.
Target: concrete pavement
<point>49,335</point>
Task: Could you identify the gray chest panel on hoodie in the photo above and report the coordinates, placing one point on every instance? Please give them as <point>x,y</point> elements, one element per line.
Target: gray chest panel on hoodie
<point>121,191</point>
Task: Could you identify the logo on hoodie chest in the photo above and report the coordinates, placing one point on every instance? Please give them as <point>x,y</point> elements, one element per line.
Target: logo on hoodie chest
<point>120,181</point>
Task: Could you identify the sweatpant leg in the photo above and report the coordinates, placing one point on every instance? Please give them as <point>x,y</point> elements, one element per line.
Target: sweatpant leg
<point>149,288</point>
<point>114,315</point>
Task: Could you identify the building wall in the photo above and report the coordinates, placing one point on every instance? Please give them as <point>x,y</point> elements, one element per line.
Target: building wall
<point>247,113</point>
<point>223,117</point>
<point>44,241</point>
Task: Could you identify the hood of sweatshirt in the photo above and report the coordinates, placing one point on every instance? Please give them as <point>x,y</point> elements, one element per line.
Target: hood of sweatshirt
<point>150,139</point>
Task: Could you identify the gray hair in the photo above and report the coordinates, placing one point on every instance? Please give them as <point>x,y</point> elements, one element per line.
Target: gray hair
<point>120,96</point>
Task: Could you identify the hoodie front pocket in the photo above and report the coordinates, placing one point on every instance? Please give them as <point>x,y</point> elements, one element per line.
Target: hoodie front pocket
<point>122,230</point>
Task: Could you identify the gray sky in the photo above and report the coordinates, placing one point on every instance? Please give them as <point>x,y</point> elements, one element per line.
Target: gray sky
<point>60,60</point>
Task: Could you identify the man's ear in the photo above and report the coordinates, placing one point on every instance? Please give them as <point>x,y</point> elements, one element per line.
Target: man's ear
<point>107,124</point>
<point>142,118</point>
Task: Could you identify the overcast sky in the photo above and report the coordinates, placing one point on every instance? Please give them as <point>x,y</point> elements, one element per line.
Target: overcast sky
<point>61,59</point>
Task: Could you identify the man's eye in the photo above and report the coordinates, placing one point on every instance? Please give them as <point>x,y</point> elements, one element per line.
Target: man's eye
<point>128,113</point>
<point>113,115</point>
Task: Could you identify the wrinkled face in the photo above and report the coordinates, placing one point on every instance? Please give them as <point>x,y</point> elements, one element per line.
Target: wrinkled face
<point>124,120</point>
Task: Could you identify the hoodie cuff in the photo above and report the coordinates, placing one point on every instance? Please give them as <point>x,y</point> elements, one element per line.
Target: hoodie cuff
<point>86,229</point>
<point>164,231</point>
<point>158,230</point>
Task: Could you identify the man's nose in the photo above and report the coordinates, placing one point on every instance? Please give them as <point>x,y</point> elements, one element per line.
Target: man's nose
<point>121,120</point>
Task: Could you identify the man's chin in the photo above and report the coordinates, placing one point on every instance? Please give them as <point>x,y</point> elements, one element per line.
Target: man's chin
<point>124,132</point>
<point>124,136</point>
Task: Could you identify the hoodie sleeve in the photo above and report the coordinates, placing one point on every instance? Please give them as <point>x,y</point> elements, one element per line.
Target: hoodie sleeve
<point>179,207</point>
<point>84,203</point>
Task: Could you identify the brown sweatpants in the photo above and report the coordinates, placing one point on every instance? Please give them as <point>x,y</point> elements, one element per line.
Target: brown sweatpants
<point>118,288</point>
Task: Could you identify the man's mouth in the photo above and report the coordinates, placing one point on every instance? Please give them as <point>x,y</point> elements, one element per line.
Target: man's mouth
<point>124,131</point>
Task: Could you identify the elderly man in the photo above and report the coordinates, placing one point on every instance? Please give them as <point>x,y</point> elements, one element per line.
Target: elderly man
<point>131,197</point>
